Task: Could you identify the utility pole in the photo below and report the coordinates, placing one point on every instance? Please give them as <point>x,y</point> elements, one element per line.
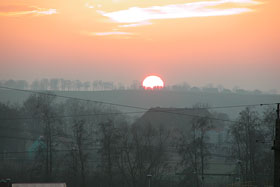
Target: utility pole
<point>149,180</point>
<point>276,149</point>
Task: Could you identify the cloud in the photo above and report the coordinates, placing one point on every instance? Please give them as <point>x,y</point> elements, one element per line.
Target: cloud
<point>112,33</point>
<point>92,4</point>
<point>34,11</point>
<point>88,5</point>
<point>139,15</point>
<point>105,33</point>
<point>136,24</point>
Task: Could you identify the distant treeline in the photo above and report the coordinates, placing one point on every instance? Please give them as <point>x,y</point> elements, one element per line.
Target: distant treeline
<point>59,84</point>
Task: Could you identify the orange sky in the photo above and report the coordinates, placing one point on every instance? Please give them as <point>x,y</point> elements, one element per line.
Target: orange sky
<point>229,42</point>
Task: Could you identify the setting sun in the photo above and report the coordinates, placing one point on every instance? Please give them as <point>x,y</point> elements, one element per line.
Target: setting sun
<point>151,82</point>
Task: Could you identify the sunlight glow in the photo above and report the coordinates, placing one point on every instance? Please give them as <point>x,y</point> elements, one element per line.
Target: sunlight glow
<point>135,24</point>
<point>116,33</point>
<point>111,33</point>
<point>152,82</point>
<point>39,11</point>
<point>172,11</point>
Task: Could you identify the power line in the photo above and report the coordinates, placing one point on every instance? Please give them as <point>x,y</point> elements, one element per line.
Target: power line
<point>19,138</point>
<point>121,113</point>
<point>136,107</point>
<point>128,106</point>
<point>27,130</point>
<point>29,139</point>
<point>33,160</point>
<point>37,132</point>
<point>167,150</point>
<point>100,160</point>
<point>20,129</point>
<point>164,111</point>
<point>57,150</point>
<point>72,116</point>
<point>69,97</point>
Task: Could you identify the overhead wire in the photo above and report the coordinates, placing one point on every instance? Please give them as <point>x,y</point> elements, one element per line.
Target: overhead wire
<point>127,106</point>
<point>29,139</point>
<point>171,111</point>
<point>69,97</point>
<point>72,116</point>
<point>167,150</point>
<point>130,106</point>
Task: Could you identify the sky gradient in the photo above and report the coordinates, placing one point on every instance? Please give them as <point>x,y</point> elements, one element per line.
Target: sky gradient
<point>228,42</point>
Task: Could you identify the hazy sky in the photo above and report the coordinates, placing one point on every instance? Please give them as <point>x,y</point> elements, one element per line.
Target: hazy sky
<point>228,42</point>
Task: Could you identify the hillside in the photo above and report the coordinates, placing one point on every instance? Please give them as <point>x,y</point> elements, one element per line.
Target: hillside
<point>163,98</point>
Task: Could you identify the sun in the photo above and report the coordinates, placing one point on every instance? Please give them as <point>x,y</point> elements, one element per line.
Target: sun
<point>153,82</point>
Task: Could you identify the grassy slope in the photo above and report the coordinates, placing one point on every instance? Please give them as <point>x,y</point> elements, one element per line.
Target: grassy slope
<point>149,99</point>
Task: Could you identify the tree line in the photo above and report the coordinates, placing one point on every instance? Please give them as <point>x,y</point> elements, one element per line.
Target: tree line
<point>86,144</point>
<point>59,84</point>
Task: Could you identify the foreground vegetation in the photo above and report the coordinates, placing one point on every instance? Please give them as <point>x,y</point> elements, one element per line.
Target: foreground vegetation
<point>90,144</point>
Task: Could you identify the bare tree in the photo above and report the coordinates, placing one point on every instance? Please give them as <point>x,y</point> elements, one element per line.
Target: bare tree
<point>80,145</point>
<point>267,128</point>
<point>81,142</point>
<point>42,109</point>
<point>245,148</point>
<point>44,84</point>
<point>109,145</point>
<point>142,152</point>
<point>78,85</point>
<point>54,84</point>
<point>86,85</point>
<point>193,148</point>
<point>35,85</point>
